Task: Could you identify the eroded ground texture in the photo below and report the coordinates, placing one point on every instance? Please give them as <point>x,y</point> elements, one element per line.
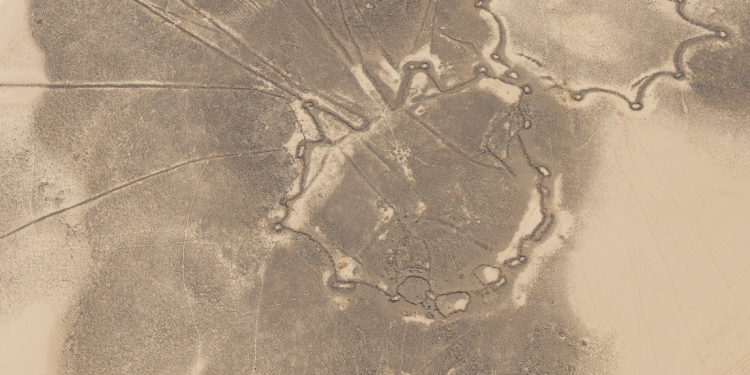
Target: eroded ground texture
<point>333,186</point>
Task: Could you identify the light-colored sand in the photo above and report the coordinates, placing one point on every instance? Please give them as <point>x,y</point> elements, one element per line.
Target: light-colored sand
<point>41,270</point>
<point>664,263</point>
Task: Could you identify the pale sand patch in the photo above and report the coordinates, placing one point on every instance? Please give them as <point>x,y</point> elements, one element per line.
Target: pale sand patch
<point>418,318</point>
<point>665,250</point>
<point>44,266</point>
<point>30,343</point>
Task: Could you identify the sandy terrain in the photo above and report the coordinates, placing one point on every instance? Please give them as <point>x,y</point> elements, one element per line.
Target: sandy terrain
<point>373,186</point>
